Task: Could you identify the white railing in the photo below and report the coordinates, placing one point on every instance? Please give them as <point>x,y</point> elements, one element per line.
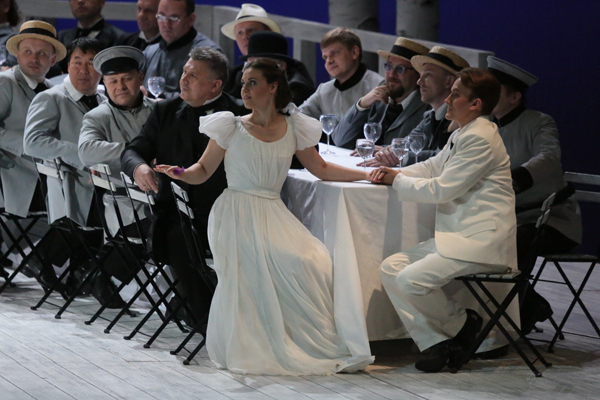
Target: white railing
<point>305,34</point>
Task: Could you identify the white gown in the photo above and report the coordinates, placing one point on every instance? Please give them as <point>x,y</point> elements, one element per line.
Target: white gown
<point>272,313</point>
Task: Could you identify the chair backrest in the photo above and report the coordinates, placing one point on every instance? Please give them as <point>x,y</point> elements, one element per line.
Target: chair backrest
<point>590,181</point>
<point>588,191</point>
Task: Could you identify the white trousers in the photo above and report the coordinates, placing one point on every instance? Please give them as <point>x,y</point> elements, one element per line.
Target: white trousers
<point>419,282</point>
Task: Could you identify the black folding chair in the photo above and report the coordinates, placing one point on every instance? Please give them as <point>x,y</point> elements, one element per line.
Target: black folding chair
<point>197,255</point>
<point>559,260</point>
<point>520,281</point>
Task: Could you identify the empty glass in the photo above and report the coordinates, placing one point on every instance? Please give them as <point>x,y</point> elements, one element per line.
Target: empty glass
<point>329,122</point>
<point>156,85</point>
<point>399,147</point>
<point>372,131</point>
<point>417,143</point>
<point>364,148</point>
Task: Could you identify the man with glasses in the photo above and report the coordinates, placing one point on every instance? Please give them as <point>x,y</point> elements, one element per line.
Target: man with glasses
<point>396,105</point>
<point>176,25</point>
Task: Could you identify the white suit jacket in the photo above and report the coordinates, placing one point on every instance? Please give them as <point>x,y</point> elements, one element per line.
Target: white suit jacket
<point>470,181</point>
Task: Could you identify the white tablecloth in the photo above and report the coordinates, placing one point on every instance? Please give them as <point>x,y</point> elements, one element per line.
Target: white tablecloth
<point>361,224</point>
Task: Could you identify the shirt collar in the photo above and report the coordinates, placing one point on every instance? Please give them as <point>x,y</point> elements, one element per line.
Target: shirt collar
<point>92,25</point>
<point>182,41</point>
<point>30,82</point>
<point>353,80</point>
<point>511,116</point>
<point>440,113</point>
<point>75,94</point>
<point>151,40</point>
<point>408,99</point>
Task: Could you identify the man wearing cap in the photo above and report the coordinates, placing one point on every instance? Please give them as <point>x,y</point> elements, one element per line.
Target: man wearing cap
<point>274,45</point>
<point>36,49</point>
<point>251,18</point>
<point>475,227</point>
<point>342,51</point>
<point>166,58</point>
<point>170,136</point>
<point>91,24</point>
<point>531,140</point>
<point>148,24</point>
<point>108,128</point>
<point>437,71</point>
<point>52,132</point>
<point>396,105</point>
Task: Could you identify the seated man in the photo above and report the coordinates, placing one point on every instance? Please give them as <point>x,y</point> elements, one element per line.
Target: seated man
<point>475,225</point>
<point>250,19</point>
<point>531,141</point>
<point>170,136</point>
<point>342,52</point>
<point>274,46</point>
<point>108,128</point>
<point>148,24</point>
<point>166,58</point>
<point>438,70</point>
<point>396,105</point>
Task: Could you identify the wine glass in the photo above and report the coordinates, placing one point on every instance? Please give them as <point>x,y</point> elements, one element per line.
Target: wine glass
<point>417,143</point>
<point>329,122</point>
<point>372,131</point>
<point>364,148</point>
<point>156,85</point>
<point>400,148</point>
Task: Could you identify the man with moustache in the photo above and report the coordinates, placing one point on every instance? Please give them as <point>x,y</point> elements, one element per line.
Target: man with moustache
<point>166,58</point>
<point>170,136</point>
<point>36,49</point>
<point>52,132</point>
<point>397,105</point>
<point>146,20</point>
<point>438,70</point>
<point>342,52</point>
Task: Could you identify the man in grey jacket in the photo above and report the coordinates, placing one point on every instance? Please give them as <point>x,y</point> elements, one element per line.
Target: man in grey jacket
<point>397,105</point>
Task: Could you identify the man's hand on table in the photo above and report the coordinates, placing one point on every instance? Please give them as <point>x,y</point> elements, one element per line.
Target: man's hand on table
<point>384,175</point>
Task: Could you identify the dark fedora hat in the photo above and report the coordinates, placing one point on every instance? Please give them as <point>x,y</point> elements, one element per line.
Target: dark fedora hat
<point>268,44</point>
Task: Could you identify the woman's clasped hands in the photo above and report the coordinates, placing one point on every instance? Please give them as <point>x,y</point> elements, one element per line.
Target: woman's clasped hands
<point>384,175</point>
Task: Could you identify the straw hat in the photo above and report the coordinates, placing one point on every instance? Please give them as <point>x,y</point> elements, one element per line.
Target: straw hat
<point>403,48</point>
<point>118,59</point>
<point>442,57</point>
<point>248,13</point>
<point>509,74</point>
<point>37,30</point>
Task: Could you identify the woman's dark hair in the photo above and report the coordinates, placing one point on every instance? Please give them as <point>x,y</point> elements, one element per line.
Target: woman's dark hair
<point>13,13</point>
<point>273,73</point>
<point>483,86</point>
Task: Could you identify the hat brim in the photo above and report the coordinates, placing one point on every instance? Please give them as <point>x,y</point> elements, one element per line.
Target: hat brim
<point>229,28</point>
<point>13,43</point>
<point>419,61</point>
<point>386,54</point>
<point>276,56</point>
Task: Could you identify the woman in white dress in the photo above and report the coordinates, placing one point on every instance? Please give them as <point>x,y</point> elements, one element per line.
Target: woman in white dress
<point>272,312</point>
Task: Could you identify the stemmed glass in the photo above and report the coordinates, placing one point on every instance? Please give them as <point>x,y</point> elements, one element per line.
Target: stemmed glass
<point>417,143</point>
<point>364,148</point>
<point>329,122</point>
<point>400,148</point>
<point>156,85</point>
<point>372,131</point>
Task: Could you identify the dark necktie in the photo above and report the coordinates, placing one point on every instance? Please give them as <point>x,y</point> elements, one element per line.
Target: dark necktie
<point>84,32</point>
<point>90,101</point>
<point>391,115</point>
<point>40,87</point>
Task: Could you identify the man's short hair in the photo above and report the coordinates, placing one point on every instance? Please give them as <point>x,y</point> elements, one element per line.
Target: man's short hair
<point>217,62</point>
<point>86,45</point>
<point>190,6</point>
<point>483,86</point>
<point>344,36</point>
<point>12,16</point>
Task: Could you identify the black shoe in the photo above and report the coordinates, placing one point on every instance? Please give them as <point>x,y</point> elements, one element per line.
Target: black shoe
<point>438,356</point>
<point>492,354</point>
<point>534,309</point>
<point>466,336</point>
<point>7,262</point>
<point>102,288</point>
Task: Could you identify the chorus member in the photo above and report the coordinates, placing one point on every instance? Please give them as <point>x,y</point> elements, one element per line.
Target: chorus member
<point>148,25</point>
<point>170,136</point>
<point>166,58</point>
<point>396,105</point>
<point>9,19</point>
<point>273,308</point>
<point>475,228</point>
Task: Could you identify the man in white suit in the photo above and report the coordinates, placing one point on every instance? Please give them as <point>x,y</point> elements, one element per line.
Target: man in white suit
<point>475,230</point>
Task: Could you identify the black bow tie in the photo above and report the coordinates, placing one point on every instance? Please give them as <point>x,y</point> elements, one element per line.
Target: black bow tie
<point>90,101</point>
<point>40,87</point>
<point>85,32</point>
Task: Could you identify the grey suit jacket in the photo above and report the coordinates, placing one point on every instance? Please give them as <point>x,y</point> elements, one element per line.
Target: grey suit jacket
<point>52,131</point>
<point>18,182</point>
<point>350,127</point>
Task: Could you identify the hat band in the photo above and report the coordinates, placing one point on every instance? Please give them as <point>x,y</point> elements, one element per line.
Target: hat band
<point>403,52</point>
<point>444,60</point>
<point>507,79</point>
<point>37,31</point>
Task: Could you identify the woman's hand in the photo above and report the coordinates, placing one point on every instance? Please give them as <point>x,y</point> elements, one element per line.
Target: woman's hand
<point>171,171</point>
<point>383,175</point>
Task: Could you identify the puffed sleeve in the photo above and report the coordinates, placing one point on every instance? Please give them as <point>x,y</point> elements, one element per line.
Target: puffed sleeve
<point>219,126</point>
<point>306,129</point>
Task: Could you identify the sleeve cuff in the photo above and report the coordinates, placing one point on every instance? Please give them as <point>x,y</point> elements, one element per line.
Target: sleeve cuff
<point>522,179</point>
<point>359,108</point>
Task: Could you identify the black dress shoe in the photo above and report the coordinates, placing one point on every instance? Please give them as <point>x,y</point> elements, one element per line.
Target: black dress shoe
<point>466,336</point>
<point>7,262</point>
<point>438,356</point>
<point>492,354</point>
<point>102,288</point>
